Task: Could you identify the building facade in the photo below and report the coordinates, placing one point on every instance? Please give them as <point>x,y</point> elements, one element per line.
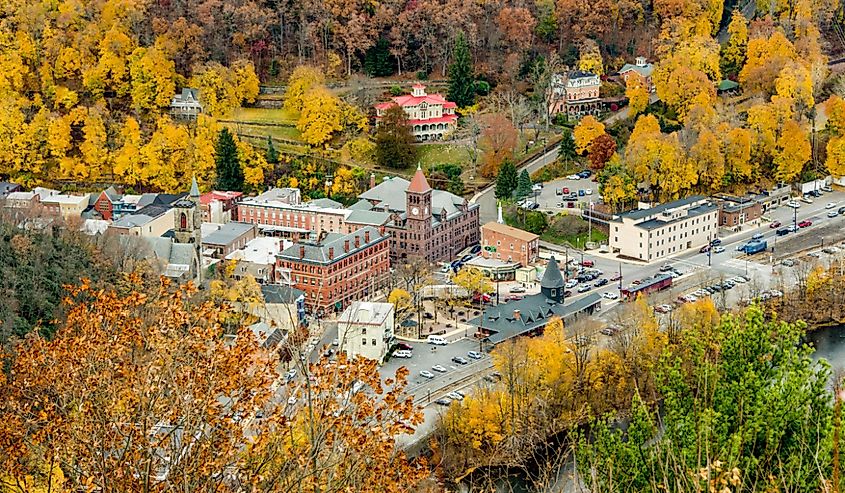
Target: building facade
<point>301,220</point>
<point>576,94</point>
<point>641,70</point>
<point>223,239</point>
<point>425,223</point>
<point>186,105</point>
<point>670,228</point>
<point>366,329</point>
<point>339,269</point>
<point>737,212</point>
<point>430,116</point>
<point>258,259</point>
<point>219,207</point>
<point>509,244</point>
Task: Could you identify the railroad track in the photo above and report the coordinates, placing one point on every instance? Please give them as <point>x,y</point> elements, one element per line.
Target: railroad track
<point>424,397</point>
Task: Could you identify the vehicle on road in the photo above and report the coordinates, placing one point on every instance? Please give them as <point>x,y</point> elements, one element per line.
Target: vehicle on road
<point>794,204</point>
<point>806,223</point>
<point>405,346</point>
<point>455,395</point>
<point>719,249</point>
<point>610,295</point>
<point>513,298</point>
<point>704,249</point>
<point>443,401</point>
<point>335,342</point>
<point>715,241</point>
<point>826,189</point>
<point>588,263</point>
<point>841,210</point>
<point>832,214</point>
<point>757,236</point>
<point>439,368</point>
<point>436,340</point>
<point>581,192</point>
<point>792,228</point>
<point>666,267</point>
<point>601,282</point>
<point>584,288</point>
<point>427,374</point>
<point>517,289</point>
<point>806,200</point>
<point>774,224</point>
<point>830,205</point>
<point>589,191</point>
<point>474,355</point>
<point>616,277</point>
<point>782,231</point>
<point>536,187</point>
<point>753,247</point>
<point>460,360</point>
<point>402,353</point>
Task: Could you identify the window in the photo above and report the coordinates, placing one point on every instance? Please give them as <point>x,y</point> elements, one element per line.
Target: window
<point>364,331</point>
<point>373,341</point>
<point>183,221</point>
<point>364,341</point>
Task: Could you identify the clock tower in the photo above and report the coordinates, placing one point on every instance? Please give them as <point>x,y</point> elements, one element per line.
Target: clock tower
<point>418,213</point>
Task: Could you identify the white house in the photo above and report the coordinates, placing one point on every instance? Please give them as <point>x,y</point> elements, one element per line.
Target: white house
<point>186,105</point>
<point>430,116</point>
<point>366,329</point>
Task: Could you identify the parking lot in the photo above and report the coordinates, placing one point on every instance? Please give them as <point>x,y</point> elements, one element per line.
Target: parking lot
<point>549,200</point>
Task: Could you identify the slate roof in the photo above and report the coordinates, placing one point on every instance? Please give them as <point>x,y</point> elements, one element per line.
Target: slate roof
<point>133,220</point>
<point>643,213</point>
<point>7,188</point>
<point>535,311</point>
<point>418,183</point>
<point>319,253</point>
<point>372,218</point>
<point>276,293</point>
<point>390,194</point>
<point>552,278</point>
<point>644,70</point>
<point>227,233</point>
<point>361,205</point>
<point>510,231</point>
<point>327,203</point>
<point>579,74</point>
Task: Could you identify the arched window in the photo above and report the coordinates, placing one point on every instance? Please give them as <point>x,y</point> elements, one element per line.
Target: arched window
<point>183,221</point>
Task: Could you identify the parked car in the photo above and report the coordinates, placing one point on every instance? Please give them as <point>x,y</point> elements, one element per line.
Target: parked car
<point>806,200</point>
<point>474,355</point>
<point>806,223</point>
<point>616,277</point>
<point>443,401</point>
<point>439,368</point>
<point>601,282</point>
<point>536,187</point>
<point>558,191</point>
<point>841,210</point>
<point>565,190</point>
<point>665,268</point>
<point>436,340</point>
<point>588,263</point>
<point>427,374</point>
<point>832,214</point>
<point>794,204</point>
<point>571,283</point>
<point>455,395</point>
<point>584,288</point>
<point>774,224</point>
<point>719,249</point>
<point>757,236</point>
<point>830,205</point>
<point>512,297</point>
<point>460,360</point>
<point>826,189</point>
<point>570,205</point>
<point>704,249</point>
<point>589,191</point>
<point>405,346</point>
<point>715,241</point>
<point>402,353</point>
<point>517,289</point>
<point>610,295</point>
<point>581,192</point>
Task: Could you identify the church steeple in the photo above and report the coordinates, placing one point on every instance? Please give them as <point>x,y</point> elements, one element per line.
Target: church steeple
<point>195,190</point>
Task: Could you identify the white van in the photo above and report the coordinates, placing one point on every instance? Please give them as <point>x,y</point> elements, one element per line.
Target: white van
<point>437,340</point>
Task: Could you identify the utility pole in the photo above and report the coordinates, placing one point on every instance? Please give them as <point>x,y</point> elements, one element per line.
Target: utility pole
<point>590,222</point>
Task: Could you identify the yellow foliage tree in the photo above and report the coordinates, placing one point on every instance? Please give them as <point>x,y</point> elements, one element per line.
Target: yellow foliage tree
<point>618,189</point>
<point>585,132</point>
<point>637,96</point>
<point>795,84</point>
<point>792,151</point>
<point>245,80</point>
<point>738,153</point>
<point>153,75</point>
<point>96,158</point>
<point>734,55</point>
<point>127,161</point>
<point>590,58</point>
<point>254,164</point>
<point>708,160</point>
<point>835,161</point>
<point>473,280</point>
<point>320,117</point>
<point>300,82</point>
<point>682,87</point>
<point>835,107</point>
<point>166,163</point>
<point>217,89</point>
<point>765,58</point>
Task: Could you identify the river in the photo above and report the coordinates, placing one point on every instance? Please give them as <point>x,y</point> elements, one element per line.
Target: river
<point>828,341</point>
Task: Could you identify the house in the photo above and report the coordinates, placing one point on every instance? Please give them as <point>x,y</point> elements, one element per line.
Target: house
<point>186,105</point>
<point>258,259</point>
<point>22,201</point>
<point>531,314</point>
<point>66,206</point>
<point>576,94</point>
<point>425,223</point>
<point>736,212</point>
<point>219,240</point>
<point>430,116</point>
<point>667,229</point>
<point>366,329</point>
<point>283,307</point>
<point>502,242</point>
<point>337,269</point>
<point>219,207</point>
<point>7,187</point>
<point>105,202</point>
<point>642,70</point>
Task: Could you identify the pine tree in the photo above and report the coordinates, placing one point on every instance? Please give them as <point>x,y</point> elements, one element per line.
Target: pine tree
<point>461,82</point>
<point>394,141</point>
<point>230,176</point>
<point>506,181</point>
<point>377,61</point>
<point>523,187</point>
<point>567,147</point>
<point>272,156</point>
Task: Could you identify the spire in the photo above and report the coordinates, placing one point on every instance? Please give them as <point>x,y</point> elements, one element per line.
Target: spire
<point>552,285</point>
<point>500,220</point>
<point>195,190</point>
<point>418,183</point>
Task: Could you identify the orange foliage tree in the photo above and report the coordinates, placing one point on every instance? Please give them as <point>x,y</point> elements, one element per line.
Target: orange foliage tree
<point>499,138</point>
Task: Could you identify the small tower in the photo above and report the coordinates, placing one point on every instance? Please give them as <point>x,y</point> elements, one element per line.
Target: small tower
<point>418,91</point>
<point>500,219</point>
<point>187,227</point>
<point>552,285</point>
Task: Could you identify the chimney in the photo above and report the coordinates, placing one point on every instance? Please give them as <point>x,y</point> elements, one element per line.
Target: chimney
<point>366,236</point>
<point>372,180</point>
<point>331,253</point>
<point>357,241</point>
<point>516,314</point>
<point>346,245</point>
<point>301,251</point>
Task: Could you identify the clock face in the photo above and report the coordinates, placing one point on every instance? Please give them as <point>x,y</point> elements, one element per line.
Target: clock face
<point>415,211</point>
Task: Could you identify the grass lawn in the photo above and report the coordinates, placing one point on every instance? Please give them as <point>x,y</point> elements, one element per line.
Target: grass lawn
<point>432,154</point>
<point>290,133</point>
<point>267,115</point>
<point>576,240</point>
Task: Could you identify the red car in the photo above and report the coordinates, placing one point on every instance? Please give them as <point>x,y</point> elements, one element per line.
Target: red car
<point>616,277</point>
<point>805,223</point>
<point>775,224</point>
<point>565,190</point>
<point>587,263</point>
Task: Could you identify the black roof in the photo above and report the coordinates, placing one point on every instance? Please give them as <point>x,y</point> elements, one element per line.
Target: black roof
<point>276,293</point>
<point>641,213</point>
<point>552,278</point>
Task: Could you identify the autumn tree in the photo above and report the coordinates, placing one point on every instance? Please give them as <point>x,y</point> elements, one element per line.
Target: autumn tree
<point>792,151</point>
<point>616,185</point>
<point>637,96</point>
<point>708,160</point>
<point>230,176</point>
<point>517,26</point>
<point>590,59</point>
<point>733,56</point>
<point>300,82</point>
<point>498,139</point>
<point>737,148</point>
<point>587,130</point>
<point>602,149</point>
<point>461,77</point>
<point>473,280</point>
<point>321,116</point>
<point>682,87</point>
<point>394,140</point>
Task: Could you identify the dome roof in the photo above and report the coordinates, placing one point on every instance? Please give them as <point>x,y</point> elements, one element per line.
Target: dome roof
<point>552,278</point>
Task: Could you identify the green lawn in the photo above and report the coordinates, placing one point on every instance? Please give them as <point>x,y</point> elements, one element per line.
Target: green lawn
<point>432,154</point>
<point>575,240</point>
<point>290,133</point>
<point>264,115</point>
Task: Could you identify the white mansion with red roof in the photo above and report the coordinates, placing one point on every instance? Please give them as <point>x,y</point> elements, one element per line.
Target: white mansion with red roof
<point>429,115</point>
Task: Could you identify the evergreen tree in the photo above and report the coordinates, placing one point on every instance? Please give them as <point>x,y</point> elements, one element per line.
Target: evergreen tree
<point>567,147</point>
<point>272,156</point>
<point>461,81</point>
<point>506,181</point>
<point>523,187</point>
<point>394,141</point>
<point>377,60</point>
<point>230,176</point>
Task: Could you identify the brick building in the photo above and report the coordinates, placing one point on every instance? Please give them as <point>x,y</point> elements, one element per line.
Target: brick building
<point>339,269</point>
<point>219,207</point>
<point>293,220</point>
<point>427,223</point>
<point>509,244</point>
<point>641,70</point>
<point>736,212</point>
<point>576,93</point>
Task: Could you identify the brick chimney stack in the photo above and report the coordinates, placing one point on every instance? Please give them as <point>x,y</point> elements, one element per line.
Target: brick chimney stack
<point>331,253</point>
<point>357,241</point>
<point>372,180</point>
<point>301,251</point>
<point>346,246</point>
<point>366,236</point>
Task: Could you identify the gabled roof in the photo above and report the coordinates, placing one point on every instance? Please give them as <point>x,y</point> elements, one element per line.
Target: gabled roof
<point>644,70</point>
<point>390,196</point>
<point>510,231</point>
<point>418,183</point>
<point>277,293</point>
<point>319,252</point>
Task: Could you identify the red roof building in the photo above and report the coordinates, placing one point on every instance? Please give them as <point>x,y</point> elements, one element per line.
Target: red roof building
<point>429,115</point>
<point>218,206</point>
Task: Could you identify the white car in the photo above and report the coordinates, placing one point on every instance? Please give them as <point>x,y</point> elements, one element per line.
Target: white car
<point>438,369</point>
<point>455,396</point>
<point>427,374</point>
<point>403,353</point>
<point>830,205</point>
<point>588,191</point>
<point>794,204</point>
<point>610,295</point>
<point>719,249</point>
<point>571,283</point>
<point>536,187</point>
<point>573,177</point>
